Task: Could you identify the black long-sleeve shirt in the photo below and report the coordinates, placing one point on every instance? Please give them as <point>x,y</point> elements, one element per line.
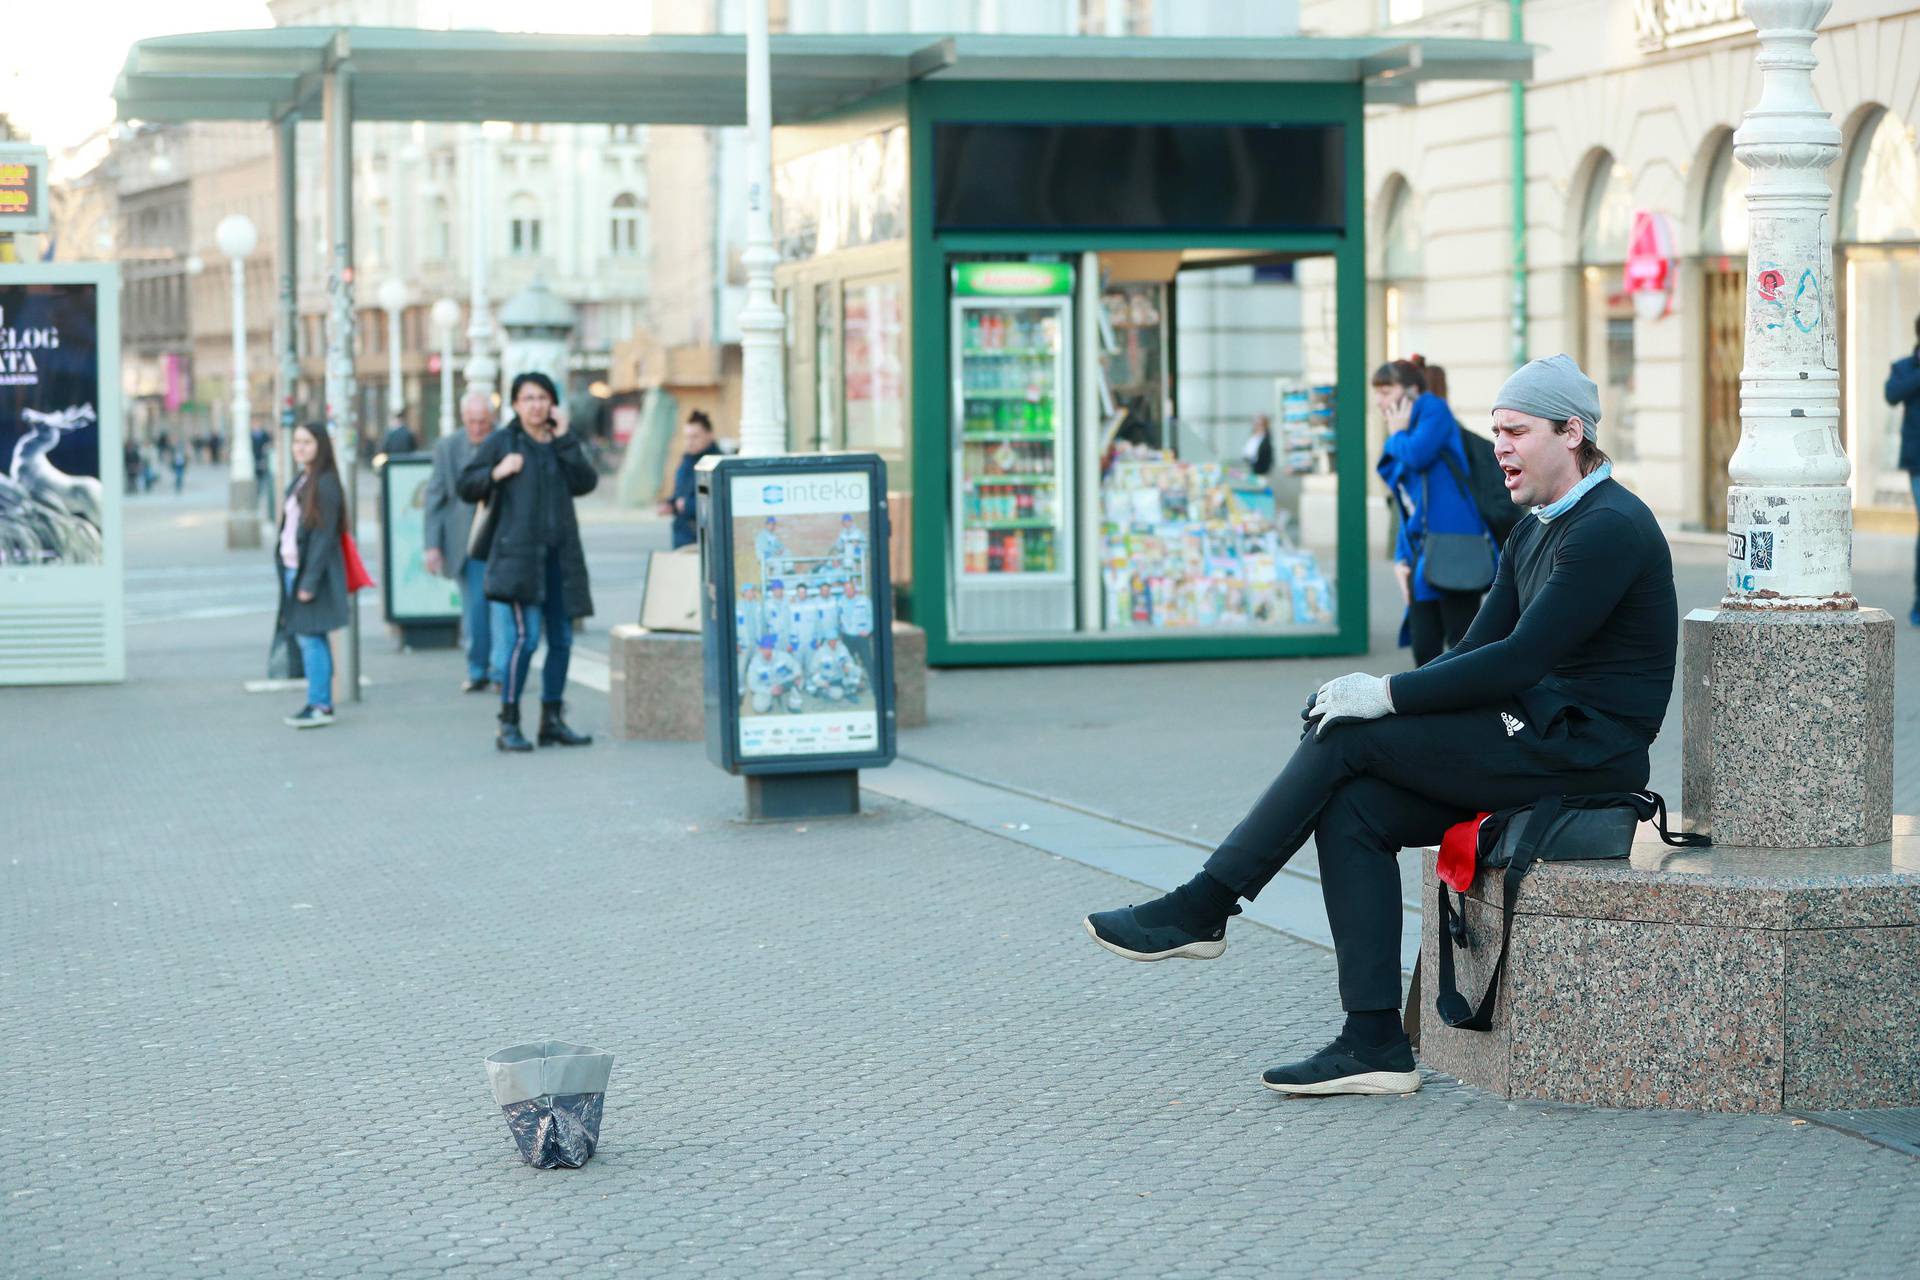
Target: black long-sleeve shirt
<point>1582,608</point>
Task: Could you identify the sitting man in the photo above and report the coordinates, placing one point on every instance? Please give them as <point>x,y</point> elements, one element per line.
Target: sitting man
<point>831,671</point>
<point>1557,688</point>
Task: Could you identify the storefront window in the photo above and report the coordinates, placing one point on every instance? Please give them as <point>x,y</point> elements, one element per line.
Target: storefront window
<point>1191,537</point>
<point>1880,219</point>
<point>873,319</point>
<point>844,196</point>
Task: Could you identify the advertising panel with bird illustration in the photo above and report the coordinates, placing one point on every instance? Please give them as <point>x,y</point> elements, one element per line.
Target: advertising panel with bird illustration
<point>50,491</point>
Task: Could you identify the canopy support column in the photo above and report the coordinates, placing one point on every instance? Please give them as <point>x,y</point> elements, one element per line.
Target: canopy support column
<point>287,363</point>
<point>342,422</point>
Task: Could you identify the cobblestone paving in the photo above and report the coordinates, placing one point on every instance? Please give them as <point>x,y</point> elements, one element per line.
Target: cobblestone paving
<point>248,977</point>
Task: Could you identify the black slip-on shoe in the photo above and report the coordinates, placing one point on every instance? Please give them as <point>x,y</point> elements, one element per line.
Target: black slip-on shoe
<point>1121,932</point>
<point>1346,1066</point>
<point>480,685</point>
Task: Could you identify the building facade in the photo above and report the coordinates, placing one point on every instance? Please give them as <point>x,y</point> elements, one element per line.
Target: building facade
<point>1629,123</point>
<point>566,205</point>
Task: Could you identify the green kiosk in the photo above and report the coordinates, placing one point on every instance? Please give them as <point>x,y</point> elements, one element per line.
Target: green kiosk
<point>1051,280</point>
<point>1055,287</point>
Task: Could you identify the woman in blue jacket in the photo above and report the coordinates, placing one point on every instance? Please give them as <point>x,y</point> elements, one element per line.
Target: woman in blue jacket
<point>1414,465</point>
<point>1903,388</point>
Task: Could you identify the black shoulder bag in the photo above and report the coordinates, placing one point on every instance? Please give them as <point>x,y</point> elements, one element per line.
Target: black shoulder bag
<point>1455,561</point>
<point>486,515</point>
<point>1552,829</point>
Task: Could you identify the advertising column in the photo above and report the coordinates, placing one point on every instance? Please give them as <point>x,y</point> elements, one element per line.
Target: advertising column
<point>798,627</point>
<point>61,592</point>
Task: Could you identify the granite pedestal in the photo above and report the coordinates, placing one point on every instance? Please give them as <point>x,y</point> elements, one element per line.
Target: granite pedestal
<point>1789,726</point>
<point>657,684</point>
<point>1727,979</point>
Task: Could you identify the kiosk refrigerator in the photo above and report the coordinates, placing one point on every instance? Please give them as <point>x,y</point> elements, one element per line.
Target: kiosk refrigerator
<point>1012,368</point>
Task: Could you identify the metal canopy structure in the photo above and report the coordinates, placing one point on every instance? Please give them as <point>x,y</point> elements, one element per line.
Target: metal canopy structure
<point>410,74</point>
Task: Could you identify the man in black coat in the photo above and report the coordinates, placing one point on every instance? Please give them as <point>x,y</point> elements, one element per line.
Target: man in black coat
<point>528,474</point>
<point>696,442</point>
<point>1903,390</point>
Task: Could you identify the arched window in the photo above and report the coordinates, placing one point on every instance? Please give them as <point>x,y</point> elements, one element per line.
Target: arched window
<point>624,226</point>
<point>1723,214</point>
<point>1880,250</point>
<point>523,226</point>
<point>1403,268</point>
<point>1723,296</point>
<point>1606,312</point>
<point>440,220</point>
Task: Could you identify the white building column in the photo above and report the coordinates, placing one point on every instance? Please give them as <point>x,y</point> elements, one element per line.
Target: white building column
<point>238,238</point>
<point>763,428</point>
<point>1789,683</point>
<point>393,300</point>
<point>483,374</point>
<point>446,318</point>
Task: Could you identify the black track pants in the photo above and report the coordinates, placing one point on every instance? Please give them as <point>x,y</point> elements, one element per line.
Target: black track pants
<point>1365,791</point>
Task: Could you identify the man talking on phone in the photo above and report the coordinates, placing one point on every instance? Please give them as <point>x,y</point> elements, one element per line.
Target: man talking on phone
<point>1558,688</point>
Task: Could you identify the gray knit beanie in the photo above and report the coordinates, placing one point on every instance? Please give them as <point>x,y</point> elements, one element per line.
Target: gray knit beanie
<point>1553,388</point>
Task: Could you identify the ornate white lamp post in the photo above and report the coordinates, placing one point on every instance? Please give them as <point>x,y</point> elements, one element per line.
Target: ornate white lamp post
<point>762,345</point>
<point>237,239</point>
<point>446,318</point>
<point>1790,474</point>
<point>1789,684</point>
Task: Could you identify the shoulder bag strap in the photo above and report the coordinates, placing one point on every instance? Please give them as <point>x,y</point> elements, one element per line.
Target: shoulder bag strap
<point>1679,839</point>
<point>1449,1003</point>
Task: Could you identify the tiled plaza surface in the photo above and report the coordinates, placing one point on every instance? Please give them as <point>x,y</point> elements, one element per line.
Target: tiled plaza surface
<point>249,976</point>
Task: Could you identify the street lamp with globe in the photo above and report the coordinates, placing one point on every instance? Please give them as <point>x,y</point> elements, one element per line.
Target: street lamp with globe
<point>237,239</point>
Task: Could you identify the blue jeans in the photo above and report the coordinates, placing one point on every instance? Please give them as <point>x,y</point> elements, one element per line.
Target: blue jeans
<point>486,643</point>
<point>315,655</point>
<point>1914,478</point>
<point>523,624</point>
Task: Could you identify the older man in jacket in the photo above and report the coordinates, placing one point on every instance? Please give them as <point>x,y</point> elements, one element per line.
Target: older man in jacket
<point>449,522</point>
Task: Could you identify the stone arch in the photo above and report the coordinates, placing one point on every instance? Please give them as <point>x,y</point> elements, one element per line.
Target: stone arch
<point>1702,191</point>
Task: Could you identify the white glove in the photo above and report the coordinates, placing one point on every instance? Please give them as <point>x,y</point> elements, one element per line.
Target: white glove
<point>1351,697</point>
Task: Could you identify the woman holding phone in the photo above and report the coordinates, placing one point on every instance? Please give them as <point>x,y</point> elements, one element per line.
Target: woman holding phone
<point>312,567</point>
<point>1424,465</point>
<point>528,474</point>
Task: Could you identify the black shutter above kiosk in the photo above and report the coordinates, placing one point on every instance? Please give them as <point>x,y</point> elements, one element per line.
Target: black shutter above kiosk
<point>1111,177</point>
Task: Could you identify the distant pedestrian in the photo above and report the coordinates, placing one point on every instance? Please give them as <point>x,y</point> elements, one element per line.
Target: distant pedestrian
<point>1257,452</point>
<point>179,468</point>
<point>1903,389</point>
<point>530,472</point>
<point>312,567</point>
<point>1424,465</point>
<point>449,524</point>
<point>262,444</point>
<point>131,461</point>
<point>696,442</point>
<point>399,437</point>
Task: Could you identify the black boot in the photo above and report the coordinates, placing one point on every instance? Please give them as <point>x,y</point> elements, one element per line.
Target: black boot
<point>554,731</point>
<point>511,739</point>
